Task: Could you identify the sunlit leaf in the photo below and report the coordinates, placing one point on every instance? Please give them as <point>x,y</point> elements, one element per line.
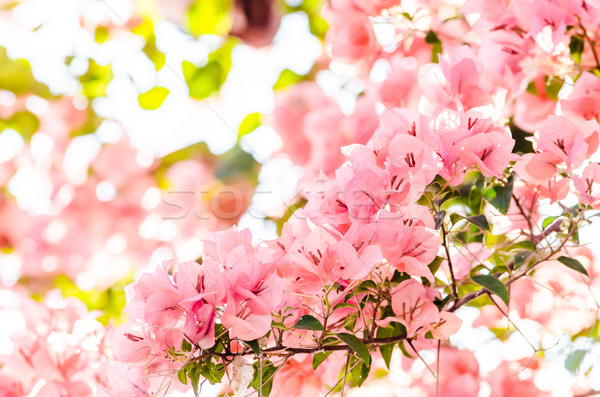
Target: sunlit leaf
<point>288,77</point>
<point>249,124</point>
<point>16,76</point>
<point>209,17</point>
<point>203,81</point>
<point>101,34</point>
<point>153,99</point>
<point>95,81</point>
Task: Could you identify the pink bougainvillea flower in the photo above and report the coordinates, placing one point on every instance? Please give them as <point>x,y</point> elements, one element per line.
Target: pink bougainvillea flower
<point>413,307</point>
<point>588,185</point>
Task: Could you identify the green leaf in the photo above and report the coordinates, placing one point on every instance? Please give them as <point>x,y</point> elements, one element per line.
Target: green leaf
<point>573,264</point>
<point>342,305</point>
<point>435,264</point>
<point>205,80</point>
<point>212,372</point>
<point>253,344</point>
<point>493,285</point>
<point>356,344</point>
<point>475,200</point>
<point>153,99</point>
<point>181,375</point>
<point>574,360</point>
<point>500,196</point>
<point>186,346</point>
<point>249,124</point>
<point>318,358</point>
<point>553,86</point>
<point>441,303</point>
<point>576,46</point>
<point>366,286</point>
<point>209,17</point>
<point>278,325</point>
<point>431,38</point>
<point>268,374</point>
<point>548,221</point>
<point>528,245</point>
<point>479,221</point>
<point>521,257</point>
<point>360,373</point>
<point>404,351</point>
<point>308,322</point>
<point>194,374</point>
<point>386,350</point>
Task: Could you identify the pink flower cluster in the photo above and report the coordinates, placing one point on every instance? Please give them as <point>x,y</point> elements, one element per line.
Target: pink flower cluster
<point>235,285</point>
<point>62,351</point>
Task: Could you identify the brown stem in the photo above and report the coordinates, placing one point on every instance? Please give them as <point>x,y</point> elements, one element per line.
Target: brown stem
<point>590,41</point>
<point>527,218</point>
<point>445,243</point>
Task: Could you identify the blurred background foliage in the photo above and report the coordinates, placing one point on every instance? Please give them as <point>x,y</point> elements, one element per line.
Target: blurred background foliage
<point>92,81</point>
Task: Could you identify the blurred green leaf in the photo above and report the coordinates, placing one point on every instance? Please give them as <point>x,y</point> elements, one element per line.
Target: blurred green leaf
<point>249,124</point>
<point>16,76</point>
<point>111,301</point>
<point>90,125</point>
<point>576,46</point>
<point>235,163</point>
<point>146,31</point>
<point>205,80</point>
<point>101,34</point>
<point>288,77</point>
<point>95,81</point>
<point>312,8</point>
<point>574,360</point>
<point>209,17</point>
<point>553,86</point>
<point>153,99</point>
<point>25,123</point>
<point>431,38</point>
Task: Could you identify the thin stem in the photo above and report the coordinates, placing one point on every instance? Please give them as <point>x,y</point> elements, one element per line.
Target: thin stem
<point>345,373</point>
<point>445,243</point>
<point>590,41</point>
